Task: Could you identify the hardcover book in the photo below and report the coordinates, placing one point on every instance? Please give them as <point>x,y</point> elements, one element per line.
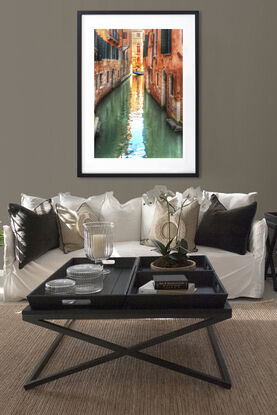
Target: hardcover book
<point>170,282</point>
<point>148,288</point>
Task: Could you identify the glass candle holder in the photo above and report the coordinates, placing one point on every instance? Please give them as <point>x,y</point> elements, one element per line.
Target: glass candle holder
<point>98,241</point>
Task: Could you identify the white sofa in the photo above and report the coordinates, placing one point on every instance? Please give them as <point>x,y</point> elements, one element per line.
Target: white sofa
<point>242,275</point>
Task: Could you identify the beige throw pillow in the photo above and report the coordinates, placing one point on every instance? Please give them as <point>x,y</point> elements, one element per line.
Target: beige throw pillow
<point>187,229</point>
<point>71,226</point>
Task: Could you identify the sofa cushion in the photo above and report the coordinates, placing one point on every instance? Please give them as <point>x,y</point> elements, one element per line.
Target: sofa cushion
<point>74,202</point>
<point>187,224</point>
<point>71,226</point>
<point>31,202</point>
<point>35,232</point>
<point>240,274</point>
<point>232,200</point>
<point>147,215</point>
<point>226,229</point>
<point>126,217</point>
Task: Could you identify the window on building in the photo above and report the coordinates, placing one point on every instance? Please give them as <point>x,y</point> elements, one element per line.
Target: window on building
<point>124,35</point>
<point>165,41</point>
<point>157,78</point>
<point>101,80</point>
<point>108,77</point>
<point>114,52</point>
<point>114,34</point>
<point>138,49</point>
<point>171,85</point>
<point>145,46</point>
<point>138,34</point>
<point>96,81</point>
<point>108,50</point>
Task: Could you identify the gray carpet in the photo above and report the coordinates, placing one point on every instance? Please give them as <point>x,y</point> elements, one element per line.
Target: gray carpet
<point>131,387</point>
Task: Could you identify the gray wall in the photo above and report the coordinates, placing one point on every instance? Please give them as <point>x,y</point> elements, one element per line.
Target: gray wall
<point>238,129</point>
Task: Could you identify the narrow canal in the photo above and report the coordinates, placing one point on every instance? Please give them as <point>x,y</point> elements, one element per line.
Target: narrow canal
<point>134,125</point>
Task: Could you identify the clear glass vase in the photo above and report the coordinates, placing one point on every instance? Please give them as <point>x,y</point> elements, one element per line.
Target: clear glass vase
<point>98,241</point>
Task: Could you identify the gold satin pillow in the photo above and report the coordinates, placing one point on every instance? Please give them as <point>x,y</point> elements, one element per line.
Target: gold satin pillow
<point>71,226</point>
<point>187,228</point>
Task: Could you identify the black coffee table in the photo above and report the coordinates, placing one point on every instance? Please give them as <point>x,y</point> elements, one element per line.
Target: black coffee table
<point>133,310</point>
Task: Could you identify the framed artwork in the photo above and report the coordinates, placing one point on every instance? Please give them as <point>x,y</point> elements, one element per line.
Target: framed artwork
<point>137,93</point>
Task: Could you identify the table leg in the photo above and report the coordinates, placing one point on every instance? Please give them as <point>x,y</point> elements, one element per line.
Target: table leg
<point>133,351</point>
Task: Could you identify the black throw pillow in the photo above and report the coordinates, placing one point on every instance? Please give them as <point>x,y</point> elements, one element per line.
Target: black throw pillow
<point>226,229</point>
<point>35,232</point>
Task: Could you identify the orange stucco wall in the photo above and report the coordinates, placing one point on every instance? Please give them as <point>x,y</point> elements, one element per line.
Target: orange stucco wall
<point>112,71</point>
<point>160,69</point>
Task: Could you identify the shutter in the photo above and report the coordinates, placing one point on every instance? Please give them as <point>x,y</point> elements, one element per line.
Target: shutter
<point>108,51</point>
<point>101,48</point>
<point>165,41</point>
<point>105,50</point>
<point>169,40</point>
<point>145,46</point>
<point>95,46</point>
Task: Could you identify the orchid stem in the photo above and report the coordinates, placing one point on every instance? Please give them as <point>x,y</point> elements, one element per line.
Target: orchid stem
<point>168,218</point>
<point>179,220</point>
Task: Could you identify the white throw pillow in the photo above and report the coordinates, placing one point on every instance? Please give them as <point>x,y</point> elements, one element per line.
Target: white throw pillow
<point>232,200</point>
<point>74,202</point>
<point>31,202</point>
<point>126,217</point>
<point>235,200</point>
<point>147,215</point>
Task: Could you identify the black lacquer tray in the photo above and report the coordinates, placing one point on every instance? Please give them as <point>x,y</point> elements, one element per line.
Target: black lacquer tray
<point>121,288</point>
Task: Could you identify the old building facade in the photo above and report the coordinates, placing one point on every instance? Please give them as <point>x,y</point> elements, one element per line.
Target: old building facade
<point>137,50</point>
<point>163,69</point>
<point>112,59</point>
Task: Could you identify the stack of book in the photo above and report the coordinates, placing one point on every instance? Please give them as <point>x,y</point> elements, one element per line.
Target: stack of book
<point>168,284</point>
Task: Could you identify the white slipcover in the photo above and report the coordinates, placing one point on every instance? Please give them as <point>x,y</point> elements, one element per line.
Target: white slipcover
<point>242,275</point>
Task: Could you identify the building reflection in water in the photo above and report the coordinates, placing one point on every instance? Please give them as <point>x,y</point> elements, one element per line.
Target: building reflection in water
<point>134,126</point>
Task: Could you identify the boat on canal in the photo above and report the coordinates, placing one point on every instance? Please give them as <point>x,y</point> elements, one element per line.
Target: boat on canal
<point>138,73</point>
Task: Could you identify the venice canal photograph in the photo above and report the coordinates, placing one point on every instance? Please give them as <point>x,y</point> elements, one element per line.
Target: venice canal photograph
<point>138,93</point>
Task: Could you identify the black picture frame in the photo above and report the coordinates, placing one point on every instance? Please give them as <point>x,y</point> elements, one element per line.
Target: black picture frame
<point>80,172</point>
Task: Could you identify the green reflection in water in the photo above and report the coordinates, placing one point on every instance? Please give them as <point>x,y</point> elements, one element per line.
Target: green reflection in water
<point>134,125</point>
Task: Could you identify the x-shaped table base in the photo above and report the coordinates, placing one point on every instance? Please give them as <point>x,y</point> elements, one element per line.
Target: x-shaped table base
<point>134,351</point>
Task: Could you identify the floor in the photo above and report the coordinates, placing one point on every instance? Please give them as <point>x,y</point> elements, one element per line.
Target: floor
<point>269,293</point>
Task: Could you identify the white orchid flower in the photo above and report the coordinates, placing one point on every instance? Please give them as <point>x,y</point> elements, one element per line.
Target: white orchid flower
<point>162,193</point>
<point>206,202</point>
<point>198,194</point>
<point>173,204</point>
<point>188,194</point>
<point>149,197</point>
<point>159,190</point>
<point>192,194</point>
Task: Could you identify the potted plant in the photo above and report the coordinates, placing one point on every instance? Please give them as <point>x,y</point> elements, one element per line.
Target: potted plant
<point>174,258</point>
<point>174,254</point>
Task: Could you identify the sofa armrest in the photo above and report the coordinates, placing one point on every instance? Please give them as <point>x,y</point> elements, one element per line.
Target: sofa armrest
<point>257,240</point>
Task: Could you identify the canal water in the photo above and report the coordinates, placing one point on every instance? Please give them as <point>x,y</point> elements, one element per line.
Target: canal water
<point>134,125</point>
